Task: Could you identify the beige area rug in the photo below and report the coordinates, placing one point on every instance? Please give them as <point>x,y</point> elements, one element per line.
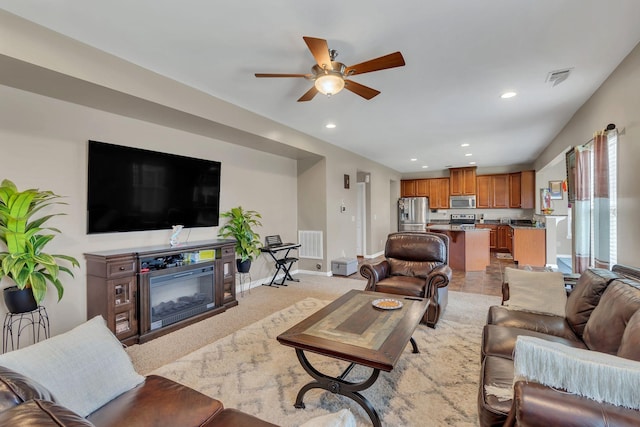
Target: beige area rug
<point>249,370</point>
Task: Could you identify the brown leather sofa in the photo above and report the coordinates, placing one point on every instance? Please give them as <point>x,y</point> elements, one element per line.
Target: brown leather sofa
<point>599,316</point>
<point>416,264</point>
<point>158,401</point>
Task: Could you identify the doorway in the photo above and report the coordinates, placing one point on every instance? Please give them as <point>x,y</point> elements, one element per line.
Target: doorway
<point>361,220</point>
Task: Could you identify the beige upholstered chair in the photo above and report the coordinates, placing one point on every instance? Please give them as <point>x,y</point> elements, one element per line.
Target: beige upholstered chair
<point>416,264</point>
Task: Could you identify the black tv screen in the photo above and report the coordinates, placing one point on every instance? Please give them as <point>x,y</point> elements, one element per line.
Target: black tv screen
<point>131,189</point>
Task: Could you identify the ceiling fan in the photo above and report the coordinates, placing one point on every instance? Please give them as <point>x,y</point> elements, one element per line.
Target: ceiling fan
<point>330,76</point>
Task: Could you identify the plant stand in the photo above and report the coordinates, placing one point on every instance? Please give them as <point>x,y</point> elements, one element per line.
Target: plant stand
<point>244,278</point>
<point>37,320</point>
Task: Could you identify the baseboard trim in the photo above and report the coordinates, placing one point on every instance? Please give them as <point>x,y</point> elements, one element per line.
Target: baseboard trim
<point>376,255</point>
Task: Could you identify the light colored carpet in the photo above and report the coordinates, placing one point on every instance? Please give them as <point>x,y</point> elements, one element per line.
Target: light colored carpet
<point>251,371</point>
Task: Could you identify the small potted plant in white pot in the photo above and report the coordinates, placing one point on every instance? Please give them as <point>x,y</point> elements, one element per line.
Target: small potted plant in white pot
<point>240,227</point>
<point>22,259</point>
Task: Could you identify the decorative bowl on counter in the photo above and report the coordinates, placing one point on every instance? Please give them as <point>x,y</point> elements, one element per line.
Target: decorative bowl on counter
<point>547,211</point>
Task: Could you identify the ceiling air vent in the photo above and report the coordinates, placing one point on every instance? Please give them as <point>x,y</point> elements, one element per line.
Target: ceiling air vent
<point>558,76</point>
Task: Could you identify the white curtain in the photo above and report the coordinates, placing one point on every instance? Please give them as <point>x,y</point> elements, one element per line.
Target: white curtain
<point>595,213</point>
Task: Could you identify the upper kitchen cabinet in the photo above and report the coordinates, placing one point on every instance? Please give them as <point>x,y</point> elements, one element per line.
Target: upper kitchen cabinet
<point>436,189</point>
<point>492,191</point>
<point>439,193</point>
<point>528,189</point>
<point>515,190</point>
<point>422,187</point>
<point>522,190</point>
<point>462,181</point>
<point>414,188</point>
<point>408,188</point>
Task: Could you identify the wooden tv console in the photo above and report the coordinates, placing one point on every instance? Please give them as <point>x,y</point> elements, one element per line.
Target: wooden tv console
<point>117,284</point>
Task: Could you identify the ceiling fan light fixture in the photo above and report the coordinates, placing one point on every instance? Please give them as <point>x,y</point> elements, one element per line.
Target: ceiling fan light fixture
<point>330,83</point>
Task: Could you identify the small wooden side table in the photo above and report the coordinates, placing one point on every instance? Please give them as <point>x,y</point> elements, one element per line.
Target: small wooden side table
<point>16,323</point>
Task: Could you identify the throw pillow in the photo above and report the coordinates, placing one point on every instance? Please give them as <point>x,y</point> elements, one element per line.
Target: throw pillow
<point>538,291</point>
<point>84,368</point>
<point>598,376</point>
<point>342,418</point>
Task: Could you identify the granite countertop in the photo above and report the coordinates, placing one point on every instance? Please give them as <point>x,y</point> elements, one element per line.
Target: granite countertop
<point>530,226</point>
<point>440,224</point>
<point>447,227</point>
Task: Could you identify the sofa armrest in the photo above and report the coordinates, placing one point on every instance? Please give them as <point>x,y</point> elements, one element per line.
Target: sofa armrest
<point>16,389</point>
<point>535,405</point>
<point>157,401</point>
<point>438,278</point>
<point>374,273</point>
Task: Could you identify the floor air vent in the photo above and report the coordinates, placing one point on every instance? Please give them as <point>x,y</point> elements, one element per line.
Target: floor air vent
<point>311,242</point>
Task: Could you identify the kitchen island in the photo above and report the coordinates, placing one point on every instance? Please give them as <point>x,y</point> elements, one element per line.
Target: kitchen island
<point>468,248</point>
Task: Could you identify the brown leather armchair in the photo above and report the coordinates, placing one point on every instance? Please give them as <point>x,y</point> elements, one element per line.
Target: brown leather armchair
<point>416,264</point>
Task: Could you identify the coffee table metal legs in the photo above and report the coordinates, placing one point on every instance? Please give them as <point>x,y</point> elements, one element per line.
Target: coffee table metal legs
<point>414,345</point>
<point>340,386</point>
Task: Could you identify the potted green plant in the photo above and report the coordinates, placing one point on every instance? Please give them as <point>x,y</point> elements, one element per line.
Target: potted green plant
<point>24,237</point>
<point>240,227</point>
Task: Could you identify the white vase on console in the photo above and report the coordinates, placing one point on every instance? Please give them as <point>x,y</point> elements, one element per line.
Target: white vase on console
<point>173,241</point>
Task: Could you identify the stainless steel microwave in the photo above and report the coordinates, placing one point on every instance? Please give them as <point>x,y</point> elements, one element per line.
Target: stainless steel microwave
<point>462,202</point>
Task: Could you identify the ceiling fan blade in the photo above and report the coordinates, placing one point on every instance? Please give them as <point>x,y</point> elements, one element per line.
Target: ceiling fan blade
<point>308,96</point>
<point>282,75</point>
<point>391,60</point>
<point>320,51</point>
<point>362,90</point>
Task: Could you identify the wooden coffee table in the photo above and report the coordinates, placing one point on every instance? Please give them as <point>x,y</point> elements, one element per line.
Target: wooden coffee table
<point>353,330</point>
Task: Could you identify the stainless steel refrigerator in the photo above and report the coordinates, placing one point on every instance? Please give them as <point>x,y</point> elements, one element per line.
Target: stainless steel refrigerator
<point>413,213</point>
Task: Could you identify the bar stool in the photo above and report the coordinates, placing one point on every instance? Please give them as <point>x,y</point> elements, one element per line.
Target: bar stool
<point>37,320</point>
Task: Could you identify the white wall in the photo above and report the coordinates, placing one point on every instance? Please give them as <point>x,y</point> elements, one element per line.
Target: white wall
<point>43,144</point>
<point>616,101</point>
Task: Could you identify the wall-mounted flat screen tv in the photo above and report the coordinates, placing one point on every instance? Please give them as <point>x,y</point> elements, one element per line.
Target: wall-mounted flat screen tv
<point>130,189</point>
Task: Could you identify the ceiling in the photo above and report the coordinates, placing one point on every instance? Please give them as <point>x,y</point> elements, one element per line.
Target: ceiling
<point>461,55</point>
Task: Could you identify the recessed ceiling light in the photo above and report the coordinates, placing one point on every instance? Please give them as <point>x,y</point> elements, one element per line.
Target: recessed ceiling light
<point>468,155</point>
<point>425,166</point>
<point>508,95</point>
<point>414,160</point>
<point>330,125</point>
<point>472,163</point>
<point>464,145</point>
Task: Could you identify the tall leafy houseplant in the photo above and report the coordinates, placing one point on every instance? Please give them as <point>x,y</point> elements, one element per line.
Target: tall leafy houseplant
<point>240,226</point>
<point>24,261</point>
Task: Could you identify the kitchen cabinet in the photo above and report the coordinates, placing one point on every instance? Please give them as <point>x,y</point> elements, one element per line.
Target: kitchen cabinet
<point>408,188</point>
<point>422,187</point>
<point>529,246</point>
<point>522,190</point>
<point>462,181</point>
<point>439,193</point>
<point>492,191</point>
<point>515,190</point>
<point>528,189</point>
<point>504,237</point>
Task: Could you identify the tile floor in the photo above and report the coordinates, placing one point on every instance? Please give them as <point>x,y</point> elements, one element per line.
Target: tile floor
<point>488,282</point>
